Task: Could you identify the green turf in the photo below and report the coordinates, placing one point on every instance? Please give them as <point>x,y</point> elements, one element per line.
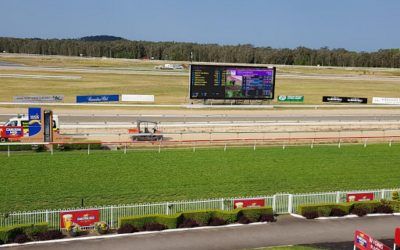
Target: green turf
<point>38,180</point>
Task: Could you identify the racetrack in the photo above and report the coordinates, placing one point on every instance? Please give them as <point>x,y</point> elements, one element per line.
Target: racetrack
<point>286,231</point>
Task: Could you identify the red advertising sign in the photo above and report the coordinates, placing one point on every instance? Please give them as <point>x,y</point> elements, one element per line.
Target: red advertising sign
<point>363,241</point>
<point>397,236</point>
<point>242,203</point>
<point>11,132</point>
<point>82,218</point>
<point>359,197</point>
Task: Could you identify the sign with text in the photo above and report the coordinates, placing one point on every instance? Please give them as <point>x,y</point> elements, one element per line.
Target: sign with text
<point>242,203</point>
<point>97,98</point>
<point>35,120</point>
<point>82,218</point>
<point>291,98</point>
<point>363,241</point>
<point>397,236</point>
<point>359,197</point>
<point>11,132</point>
<point>39,99</point>
<point>386,100</point>
<point>341,99</point>
<point>137,98</point>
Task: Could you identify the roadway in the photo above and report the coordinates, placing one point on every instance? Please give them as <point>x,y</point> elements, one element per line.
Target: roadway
<point>287,231</point>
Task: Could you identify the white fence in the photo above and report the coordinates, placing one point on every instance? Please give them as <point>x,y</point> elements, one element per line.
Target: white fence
<point>281,204</point>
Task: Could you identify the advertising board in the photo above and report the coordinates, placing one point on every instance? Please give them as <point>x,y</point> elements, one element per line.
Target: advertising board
<point>341,99</point>
<point>386,100</point>
<point>231,82</point>
<point>137,98</point>
<point>11,132</point>
<point>291,98</point>
<point>82,218</point>
<point>359,197</point>
<point>242,203</point>
<point>97,98</point>
<point>363,241</point>
<point>397,236</point>
<point>39,99</point>
<point>35,121</point>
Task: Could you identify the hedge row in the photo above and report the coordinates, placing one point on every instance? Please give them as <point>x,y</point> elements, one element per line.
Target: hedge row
<point>342,209</point>
<point>196,218</point>
<point>9,234</point>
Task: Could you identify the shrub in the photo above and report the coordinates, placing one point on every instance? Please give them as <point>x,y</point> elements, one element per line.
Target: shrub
<point>21,238</point>
<point>36,229</point>
<point>216,222</point>
<point>395,205</point>
<point>383,209</point>
<point>324,211</point>
<point>228,216</point>
<point>244,220</point>
<point>395,195</point>
<point>359,211</point>
<point>267,218</point>
<point>8,234</point>
<point>126,229</point>
<point>188,223</point>
<point>49,235</point>
<point>101,227</point>
<point>337,212</point>
<point>170,221</point>
<point>368,206</point>
<point>69,147</point>
<point>310,214</point>
<point>201,217</point>
<point>254,214</point>
<point>154,226</point>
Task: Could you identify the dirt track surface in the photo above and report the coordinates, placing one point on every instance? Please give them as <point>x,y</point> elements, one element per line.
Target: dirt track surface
<point>287,231</point>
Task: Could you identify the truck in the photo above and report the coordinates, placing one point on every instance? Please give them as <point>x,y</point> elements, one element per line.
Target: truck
<point>18,127</point>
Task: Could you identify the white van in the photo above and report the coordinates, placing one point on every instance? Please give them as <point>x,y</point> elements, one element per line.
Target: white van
<point>23,121</point>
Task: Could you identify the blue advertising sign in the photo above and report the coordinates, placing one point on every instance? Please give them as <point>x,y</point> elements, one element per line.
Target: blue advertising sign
<point>97,98</point>
<point>35,120</point>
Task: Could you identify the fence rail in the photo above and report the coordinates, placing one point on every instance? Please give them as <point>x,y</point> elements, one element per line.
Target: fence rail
<point>281,204</point>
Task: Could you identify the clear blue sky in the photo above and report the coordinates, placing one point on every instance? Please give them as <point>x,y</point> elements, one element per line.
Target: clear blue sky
<point>352,24</point>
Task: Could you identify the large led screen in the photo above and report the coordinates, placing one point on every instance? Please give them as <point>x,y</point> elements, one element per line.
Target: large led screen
<point>231,82</point>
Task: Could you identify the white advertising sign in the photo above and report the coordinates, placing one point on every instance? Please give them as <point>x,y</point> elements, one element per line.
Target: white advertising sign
<point>137,98</point>
<point>385,100</point>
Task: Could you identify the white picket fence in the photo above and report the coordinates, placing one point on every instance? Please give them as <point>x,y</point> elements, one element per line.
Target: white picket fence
<point>281,204</point>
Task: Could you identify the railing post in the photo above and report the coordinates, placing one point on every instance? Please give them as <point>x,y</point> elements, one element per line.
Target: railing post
<point>338,197</point>
<point>167,208</point>
<point>222,204</point>
<point>88,149</point>
<point>383,194</point>
<point>274,203</point>
<point>290,203</point>
<point>8,150</point>
<point>47,216</point>
<point>111,217</point>
<point>125,149</point>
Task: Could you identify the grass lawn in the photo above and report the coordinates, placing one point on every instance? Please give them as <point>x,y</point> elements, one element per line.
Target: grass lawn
<point>38,180</point>
<point>173,89</point>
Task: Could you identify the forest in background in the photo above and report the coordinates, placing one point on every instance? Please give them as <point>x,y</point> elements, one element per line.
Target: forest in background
<point>117,47</point>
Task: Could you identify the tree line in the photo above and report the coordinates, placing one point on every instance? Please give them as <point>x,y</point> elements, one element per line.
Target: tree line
<point>181,51</point>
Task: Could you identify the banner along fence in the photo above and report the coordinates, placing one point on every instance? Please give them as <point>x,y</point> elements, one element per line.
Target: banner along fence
<point>281,204</point>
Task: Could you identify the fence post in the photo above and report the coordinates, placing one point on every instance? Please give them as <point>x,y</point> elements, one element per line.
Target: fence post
<point>51,149</point>
<point>390,142</point>
<point>274,203</point>
<point>47,216</point>
<point>225,147</point>
<point>222,204</point>
<point>167,208</point>
<point>125,148</point>
<point>338,197</point>
<point>290,203</point>
<point>159,147</point>
<point>365,143</point>
<point>112,217</point>
<point>8,150</point>
<point>88,149</point>
<point>383,194</point>
<point>254,148</point>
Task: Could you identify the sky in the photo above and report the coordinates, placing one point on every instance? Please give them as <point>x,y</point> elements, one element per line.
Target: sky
<point>360,25</point>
